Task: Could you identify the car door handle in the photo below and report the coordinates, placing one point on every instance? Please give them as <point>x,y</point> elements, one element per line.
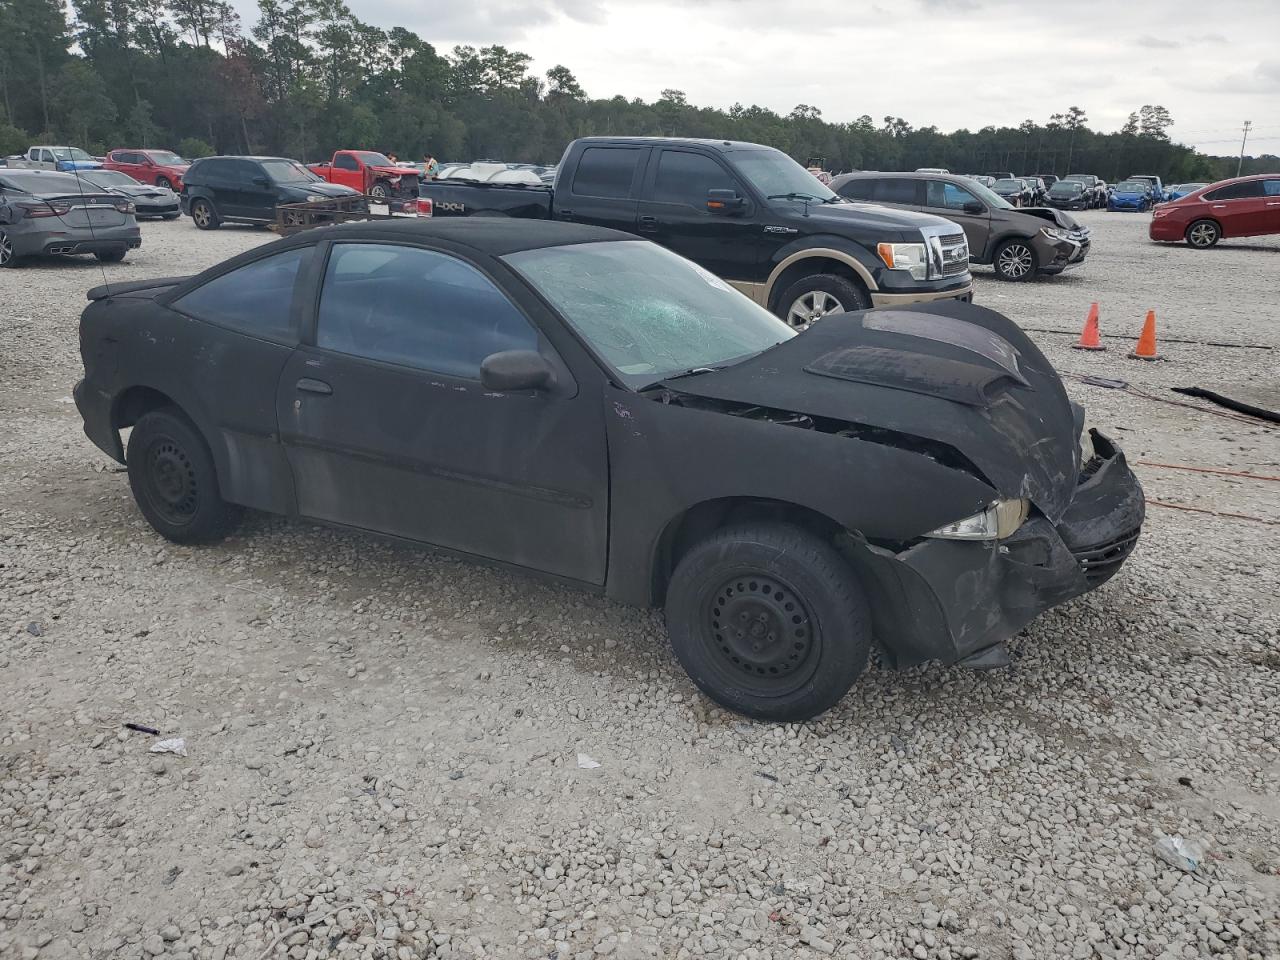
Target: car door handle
<point>648,224</point>
<point>308,385</point>
<point>1219,206</point>
<point>1273,203</point>
<point>564,214</point>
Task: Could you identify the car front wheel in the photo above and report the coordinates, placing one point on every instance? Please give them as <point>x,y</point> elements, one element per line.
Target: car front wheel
<point>379,191</point>
<point>820,295</point>
<point>1015,260</point>
<point>1203,234</point>
<point>164,182</point>
<point>203,214</point>
<point>174,481</point>
<point>769,621</point>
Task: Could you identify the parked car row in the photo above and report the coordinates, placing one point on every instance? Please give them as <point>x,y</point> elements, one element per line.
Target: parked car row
<point>49,212</point>
<point>1243,207</point>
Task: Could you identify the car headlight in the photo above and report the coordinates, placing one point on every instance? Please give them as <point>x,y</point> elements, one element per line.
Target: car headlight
<point>1053,233</point>
<point>911,257</point>
<point>999,520</point>
<point>314,197</point>
<point>1157,214</point>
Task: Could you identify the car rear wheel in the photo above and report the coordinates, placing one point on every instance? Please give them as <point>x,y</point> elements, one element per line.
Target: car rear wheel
<point>7,257</point>
<point>174,482</point>
<point>1015,260</point>
<point>1203,234</point>
<point>203,214</point>
<point>769,620</point>
<point>819,295</point>
<point>164,182</point>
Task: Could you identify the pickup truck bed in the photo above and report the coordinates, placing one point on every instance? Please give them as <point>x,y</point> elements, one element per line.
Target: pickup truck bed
<point>462,198</point>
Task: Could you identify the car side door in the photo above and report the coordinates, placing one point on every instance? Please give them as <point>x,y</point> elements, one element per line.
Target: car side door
<point>1240,208</point>
<point>388,428</point>
<point>957,204</point>
<point>674,212</point>
<point>346,170</point>
<point>257,190</point>
<point>1271,212</point>
<point>602,187</point>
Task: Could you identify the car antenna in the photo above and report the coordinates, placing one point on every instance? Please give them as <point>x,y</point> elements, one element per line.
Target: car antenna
<point>89,220</point>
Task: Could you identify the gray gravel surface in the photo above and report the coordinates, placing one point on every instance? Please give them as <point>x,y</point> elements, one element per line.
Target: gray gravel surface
<point>382,744</point>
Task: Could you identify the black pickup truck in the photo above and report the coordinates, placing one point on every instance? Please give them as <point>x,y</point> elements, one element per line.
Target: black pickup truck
<point>747,213</point>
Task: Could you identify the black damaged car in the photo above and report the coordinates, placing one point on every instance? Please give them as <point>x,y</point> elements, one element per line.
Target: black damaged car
<point>581,403</point>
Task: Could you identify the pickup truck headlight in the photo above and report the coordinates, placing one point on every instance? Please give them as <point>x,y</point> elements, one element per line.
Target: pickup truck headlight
<point>999,520</point>
<point>1053,233</point>
<point>911,257</point>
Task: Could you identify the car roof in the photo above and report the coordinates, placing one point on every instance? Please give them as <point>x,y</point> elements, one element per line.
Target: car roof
<point>495,236</point>
<point>676,141</point>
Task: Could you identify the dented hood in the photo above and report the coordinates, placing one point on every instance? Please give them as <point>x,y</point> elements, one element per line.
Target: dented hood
<point>948,372</point>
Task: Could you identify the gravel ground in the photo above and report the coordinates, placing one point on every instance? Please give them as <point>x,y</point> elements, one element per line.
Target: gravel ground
<point>382,743</point>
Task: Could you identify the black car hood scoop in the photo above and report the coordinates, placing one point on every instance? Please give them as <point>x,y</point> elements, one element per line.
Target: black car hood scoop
<point>948,372</point>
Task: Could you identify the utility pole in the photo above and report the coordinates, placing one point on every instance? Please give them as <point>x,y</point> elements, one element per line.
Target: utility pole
<point>1240,163</point>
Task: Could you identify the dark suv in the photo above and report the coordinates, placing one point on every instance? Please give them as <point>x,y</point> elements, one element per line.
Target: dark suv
<point>219,190</point>
<point>1018,243</point>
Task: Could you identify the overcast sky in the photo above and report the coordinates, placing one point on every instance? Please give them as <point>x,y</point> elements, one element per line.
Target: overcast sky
<point>950,63</point>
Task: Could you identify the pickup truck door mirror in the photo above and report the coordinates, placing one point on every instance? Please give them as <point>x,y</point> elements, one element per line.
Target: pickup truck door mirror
<point>516,370</point>
<point>974,207</point>
<point>726,202</point>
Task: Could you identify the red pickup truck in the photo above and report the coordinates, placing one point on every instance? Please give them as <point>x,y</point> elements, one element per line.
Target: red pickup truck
<point>371,173</point>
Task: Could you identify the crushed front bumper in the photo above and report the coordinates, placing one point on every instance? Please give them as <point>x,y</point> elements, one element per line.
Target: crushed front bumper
<point>952,600</point>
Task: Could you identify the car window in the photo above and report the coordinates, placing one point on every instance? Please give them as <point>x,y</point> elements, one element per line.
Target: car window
<point>1271,188</point>
<point>940,193</point>
<point>46,156</point>
<point>684,177</point>
<point>858,189</point>
<point>417,308</point>
<point>896,190</point>
<point>606,172</point>
<point>255,299</point>
<point>345,161</point>
<point>1237,191</point>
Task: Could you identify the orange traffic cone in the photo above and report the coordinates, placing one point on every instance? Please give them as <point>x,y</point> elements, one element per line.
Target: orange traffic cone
<point>1090,337</point>
<point>1146,347</point>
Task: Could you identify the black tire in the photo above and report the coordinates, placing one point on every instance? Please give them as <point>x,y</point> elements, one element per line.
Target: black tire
<point>1203,234</point>
<point>204,215</point>
<point>824,294</point>
<point>164,182</point>
<point>764,579</point>
<point>1015,260</point>
<point>174,481</point>
<point>110,256</point>
<point>380,190</point>
<point>8,258</point>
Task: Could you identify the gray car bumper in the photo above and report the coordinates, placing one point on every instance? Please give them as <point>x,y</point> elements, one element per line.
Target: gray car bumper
<point>76,240</point>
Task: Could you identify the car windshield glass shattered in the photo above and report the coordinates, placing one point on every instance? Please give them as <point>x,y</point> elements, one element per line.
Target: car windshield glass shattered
<point>775,174</point>
<point>648,312</point>
<point>288,171</point>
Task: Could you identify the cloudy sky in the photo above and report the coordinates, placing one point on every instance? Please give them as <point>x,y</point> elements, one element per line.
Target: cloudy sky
<point>950,63</point>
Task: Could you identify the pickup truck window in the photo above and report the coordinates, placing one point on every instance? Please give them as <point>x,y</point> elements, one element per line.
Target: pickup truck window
<point>255,299</point>
<point>685,177</point>
<point>606,172</point>
<point>345,161</point>
<point>416,308</point>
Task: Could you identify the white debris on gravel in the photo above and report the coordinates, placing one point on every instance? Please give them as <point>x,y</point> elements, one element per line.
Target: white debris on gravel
<point>382,764</point>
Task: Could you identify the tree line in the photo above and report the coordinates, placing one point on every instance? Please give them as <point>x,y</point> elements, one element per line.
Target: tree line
<point>309,77</point>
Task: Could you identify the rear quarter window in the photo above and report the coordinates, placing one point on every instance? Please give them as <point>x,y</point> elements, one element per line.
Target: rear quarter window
<point>256,299</point>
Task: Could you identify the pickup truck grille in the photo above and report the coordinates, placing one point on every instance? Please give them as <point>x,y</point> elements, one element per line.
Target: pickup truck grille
<point>954,251</point>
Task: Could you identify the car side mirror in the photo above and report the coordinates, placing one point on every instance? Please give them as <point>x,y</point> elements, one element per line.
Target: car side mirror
<point>262,181</point>
<point>725,201</point>
<point>512,370</point>
<point>974,207</point>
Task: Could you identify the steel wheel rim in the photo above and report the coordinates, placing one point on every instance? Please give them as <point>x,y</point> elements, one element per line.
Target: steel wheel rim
<point>200,214</point>
<point>169,480</point>
<point>378,191</point>
<point>811,307</point>
<point>760,635</point>
<point>6,249</point>
<point>1202,234</point>
<point>1015,261</point>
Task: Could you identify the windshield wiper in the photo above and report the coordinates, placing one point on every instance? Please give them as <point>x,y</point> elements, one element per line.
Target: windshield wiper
<point>795,196</point>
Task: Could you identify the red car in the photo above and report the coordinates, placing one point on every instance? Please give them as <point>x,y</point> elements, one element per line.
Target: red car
<point>1243,207</point>
<point>163,168</point>
<point>371,173</point>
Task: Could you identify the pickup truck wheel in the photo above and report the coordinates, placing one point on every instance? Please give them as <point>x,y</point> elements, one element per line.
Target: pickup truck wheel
<point>203,214</point>
<point>379,191</point>
<point>811,298</point>
<point>7,256</point>
<point>1015,260</point>
<point>769,620</point>
<point>174,482</point>
<point>1203,234</point>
